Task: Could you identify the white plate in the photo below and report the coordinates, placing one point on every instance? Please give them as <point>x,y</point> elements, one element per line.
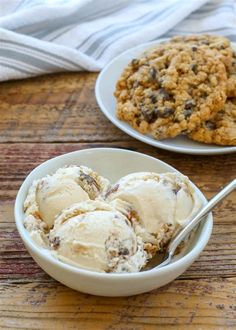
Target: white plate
<point>105,87</point>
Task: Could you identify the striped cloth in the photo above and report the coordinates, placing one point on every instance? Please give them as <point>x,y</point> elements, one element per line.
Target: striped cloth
<point>44,36</point>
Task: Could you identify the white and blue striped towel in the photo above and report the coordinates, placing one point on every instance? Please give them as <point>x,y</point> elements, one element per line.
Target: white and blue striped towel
<point>44,36</point>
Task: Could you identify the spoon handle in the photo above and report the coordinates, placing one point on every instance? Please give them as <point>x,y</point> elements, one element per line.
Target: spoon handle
<point>197,218</point>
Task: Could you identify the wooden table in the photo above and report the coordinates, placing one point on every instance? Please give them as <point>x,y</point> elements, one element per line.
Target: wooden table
<point>51,115</point>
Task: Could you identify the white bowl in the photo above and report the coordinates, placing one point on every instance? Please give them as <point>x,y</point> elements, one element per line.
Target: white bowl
<point>105,87</point>
<point>113,164</point>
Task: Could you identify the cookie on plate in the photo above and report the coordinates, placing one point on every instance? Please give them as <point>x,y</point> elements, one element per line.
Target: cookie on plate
<point>231,82</point>
<point>221,129</point>
<point>169,91</point>
<point>222,46</point>
<point>217,43</point>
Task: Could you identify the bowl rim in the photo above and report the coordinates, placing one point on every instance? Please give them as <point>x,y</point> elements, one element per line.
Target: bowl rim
<point>199,245</point>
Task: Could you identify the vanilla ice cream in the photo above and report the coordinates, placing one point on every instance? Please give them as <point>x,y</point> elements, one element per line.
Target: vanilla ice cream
<point>159,203</point>
<point>84,221</point>
<point>95,236</point>
<point>37,229</point>
<point>68,185</point>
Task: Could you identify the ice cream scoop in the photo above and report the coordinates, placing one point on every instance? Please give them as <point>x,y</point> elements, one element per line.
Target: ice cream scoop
<point>68,185</point>
<point>159,203</point>
<point>95,236</point>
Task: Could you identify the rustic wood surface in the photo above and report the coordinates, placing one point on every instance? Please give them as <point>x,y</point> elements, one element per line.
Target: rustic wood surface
<point>48,116</point>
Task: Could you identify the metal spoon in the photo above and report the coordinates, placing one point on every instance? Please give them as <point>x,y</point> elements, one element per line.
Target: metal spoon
<point>179,237</point>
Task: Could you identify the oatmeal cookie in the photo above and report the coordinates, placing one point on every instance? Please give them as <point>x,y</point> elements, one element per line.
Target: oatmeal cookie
<point>221,129</point>
<point>214,42</point>
<point>231,82</point>
<point>217,43</point>
<point>171,90</point>
<point>220,44</point>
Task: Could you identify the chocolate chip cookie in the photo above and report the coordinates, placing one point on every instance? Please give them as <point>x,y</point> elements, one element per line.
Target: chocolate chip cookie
<point>221,129</point>
<point>171,90</point>
<point>231,82</point>
<point>216,43</point>
<point>223,47</point>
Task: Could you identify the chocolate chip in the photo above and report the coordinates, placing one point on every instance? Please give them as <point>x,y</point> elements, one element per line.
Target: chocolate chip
<point>149,115</point>
<point>210,125</point>
<point>175,191</point>
<point>124,269</point>
<point>165,95</point>
<point>165,182</point>
<point>164,113</point>
<point>158,113</point>
<point>167,112</point>
<point>187,113</point>
<point>123,251</point>
<point>189,104</point>
<point>194,67</point>
<point>233,63</point>
<point>112,190</point>
<point>55,242</point>
<point>194,48</point>
<point>135,62</point>
<point>204,94</point>
<point>222,47</point>
<point>90,180</point>
<point>153,98</point>
<point>153,73</point>
<point>205,42</point>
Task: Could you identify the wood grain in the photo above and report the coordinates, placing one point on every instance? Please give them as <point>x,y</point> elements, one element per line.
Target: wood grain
<point>18,159</point>
<point>50,115</point>
<point>51,111</point>
<point>201,304</point>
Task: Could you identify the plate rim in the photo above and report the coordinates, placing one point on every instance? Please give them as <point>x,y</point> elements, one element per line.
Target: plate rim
<point>141,137</point>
